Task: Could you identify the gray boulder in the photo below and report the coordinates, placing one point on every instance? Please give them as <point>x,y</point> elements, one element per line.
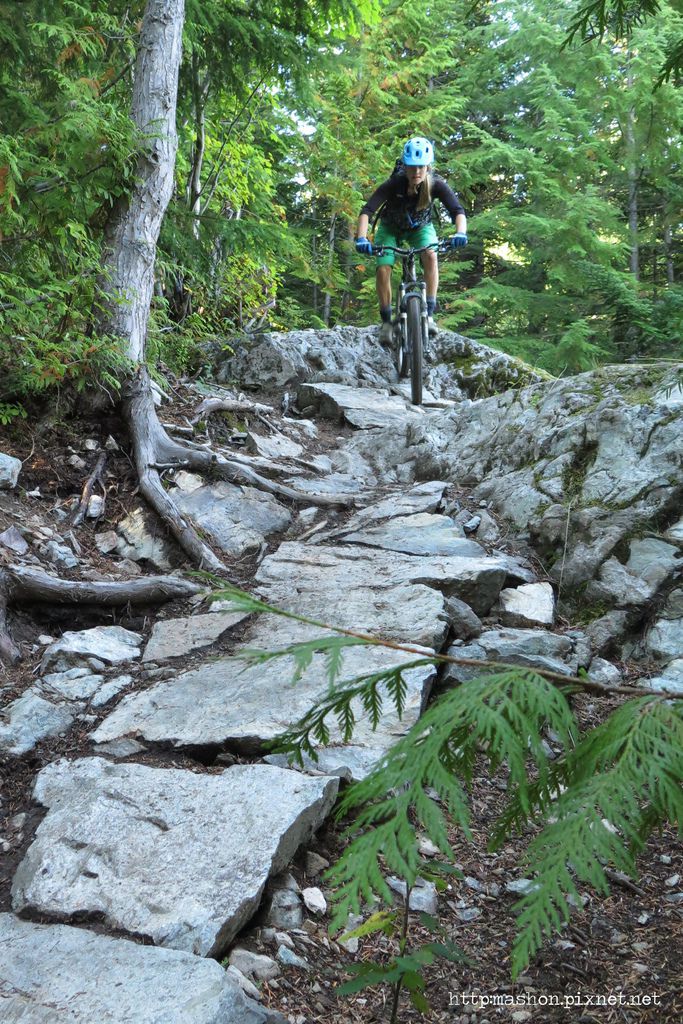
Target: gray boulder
<point>139,538</point>
<point>55,974</point>
<point>169,854</point>
<point>29,719</point>
<point>359,407</point>
<point>113,645</point>
<point>237,519</point>
<point>10,468</point>
<point>532,648</point>
<point>532,604</point>
<point>579,466</point>
<point>455,366</point>
<point>670,678</point>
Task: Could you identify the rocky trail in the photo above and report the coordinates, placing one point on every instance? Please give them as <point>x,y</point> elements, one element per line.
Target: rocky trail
<point>147,834</point>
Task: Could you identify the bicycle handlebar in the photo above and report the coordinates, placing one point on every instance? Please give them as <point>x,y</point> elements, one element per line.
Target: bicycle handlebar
<point>442,246</point>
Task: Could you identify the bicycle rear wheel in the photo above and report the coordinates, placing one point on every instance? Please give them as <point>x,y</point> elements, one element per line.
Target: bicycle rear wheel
<point>415,348</point>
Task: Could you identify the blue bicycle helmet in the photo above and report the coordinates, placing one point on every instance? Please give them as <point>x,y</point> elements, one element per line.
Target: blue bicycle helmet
<point>418,152</point>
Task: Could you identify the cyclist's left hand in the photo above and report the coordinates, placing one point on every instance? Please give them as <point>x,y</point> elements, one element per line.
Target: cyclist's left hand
<point>458,241</point>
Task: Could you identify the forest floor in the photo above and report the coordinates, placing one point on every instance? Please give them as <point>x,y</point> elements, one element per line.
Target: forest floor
<point>618,960</point>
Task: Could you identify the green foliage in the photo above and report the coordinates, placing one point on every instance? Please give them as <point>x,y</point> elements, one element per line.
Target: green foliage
<point>593,806</point>
<point>404,970</point>
<point>501,714</point>
<point>288,116</point>
<point>601,801</point>
<point>65,154</point>
<point>10,412</point>
<point>534,138</point>
<point>596,18</point>
<point>68,152</point>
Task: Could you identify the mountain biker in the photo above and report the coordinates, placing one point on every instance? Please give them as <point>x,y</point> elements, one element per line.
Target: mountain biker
<point>404,202</point>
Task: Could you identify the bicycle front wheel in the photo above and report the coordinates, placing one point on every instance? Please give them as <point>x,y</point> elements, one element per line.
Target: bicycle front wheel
<point>402,351</point>
<point>415,349</point>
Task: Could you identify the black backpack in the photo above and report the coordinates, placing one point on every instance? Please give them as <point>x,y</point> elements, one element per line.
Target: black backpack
<point>399,169</point>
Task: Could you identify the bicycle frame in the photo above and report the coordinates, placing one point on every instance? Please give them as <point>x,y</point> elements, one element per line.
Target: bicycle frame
<point>412,295</point>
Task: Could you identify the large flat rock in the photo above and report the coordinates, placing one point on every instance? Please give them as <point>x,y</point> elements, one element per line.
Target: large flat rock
<point>226,702</point>
<point>477,580</point>
<point>56,974</point>
<point>421,534</point>
<point>29,719</point>
<point>174,638</point>
<point>422,497</point>
<point>237,519</point>
<point>178,857</point>
<point>360,407</point>
<point>408,612</point>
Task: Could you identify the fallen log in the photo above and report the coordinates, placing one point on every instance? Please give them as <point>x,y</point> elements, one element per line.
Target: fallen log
<point>22,585</point>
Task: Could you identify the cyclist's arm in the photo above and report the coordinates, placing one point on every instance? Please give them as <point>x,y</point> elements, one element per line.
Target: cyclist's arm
<point>461,223</point>
<point>378,197</point>
<point>362,229</point>
<point>456,210</point>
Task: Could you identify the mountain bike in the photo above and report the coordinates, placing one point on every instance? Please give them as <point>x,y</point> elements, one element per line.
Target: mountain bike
<point>410,322</point>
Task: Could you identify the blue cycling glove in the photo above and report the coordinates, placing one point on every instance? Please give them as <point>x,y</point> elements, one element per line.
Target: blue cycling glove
<point>364,247</point>
<point>457,241</point>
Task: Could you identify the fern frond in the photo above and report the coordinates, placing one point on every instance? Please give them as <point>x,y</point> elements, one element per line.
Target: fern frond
<point>621,781</point>
<point>502,716</point>
<point>364,689</point>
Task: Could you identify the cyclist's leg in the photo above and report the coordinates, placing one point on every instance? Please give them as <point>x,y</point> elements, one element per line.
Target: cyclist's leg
<point>385,263</point>
<point>430,264</point>
<point>426,235</point>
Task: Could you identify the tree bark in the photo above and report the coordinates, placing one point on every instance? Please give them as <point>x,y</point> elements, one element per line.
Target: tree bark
<point>314,260</point>
<point>133,229</point>
<point>199,90</point>
<point>668,255</point>
<point>330,263</point>
<point>24,585</point>
<point>633,176</point>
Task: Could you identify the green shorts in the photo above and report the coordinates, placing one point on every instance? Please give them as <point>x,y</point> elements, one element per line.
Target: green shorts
<point>412,238</point>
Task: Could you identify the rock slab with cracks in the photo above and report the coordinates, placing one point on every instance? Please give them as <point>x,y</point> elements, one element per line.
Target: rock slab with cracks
<point>56,974</point>
<point>177,857</point>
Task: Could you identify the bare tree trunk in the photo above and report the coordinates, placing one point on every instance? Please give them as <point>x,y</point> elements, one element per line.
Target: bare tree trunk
<point>133,229</point>
<point>632,171</point>
<point>348,270</point>
<point>330,262</point>
<point>668,255</point>
<point>314,261</point>
<point>199,92</point>
<point>634,260</point>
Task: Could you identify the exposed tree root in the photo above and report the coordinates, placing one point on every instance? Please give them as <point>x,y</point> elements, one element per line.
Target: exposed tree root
<point>88,487</point>
<point>9,652</point>
<point>24,585</point>
<point>153,448</point>
<point>210,405</point>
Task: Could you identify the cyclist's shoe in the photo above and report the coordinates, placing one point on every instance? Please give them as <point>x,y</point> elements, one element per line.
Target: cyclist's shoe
<point>431,326</point>
<point>386,333</point>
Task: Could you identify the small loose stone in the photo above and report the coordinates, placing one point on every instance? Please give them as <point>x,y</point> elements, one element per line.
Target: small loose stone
<point>314,901</point>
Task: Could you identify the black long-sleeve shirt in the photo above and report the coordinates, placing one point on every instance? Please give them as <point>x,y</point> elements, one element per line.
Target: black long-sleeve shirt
<point>400,209</point>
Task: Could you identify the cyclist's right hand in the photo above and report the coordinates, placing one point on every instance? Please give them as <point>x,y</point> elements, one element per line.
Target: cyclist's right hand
<point>364,247</point>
